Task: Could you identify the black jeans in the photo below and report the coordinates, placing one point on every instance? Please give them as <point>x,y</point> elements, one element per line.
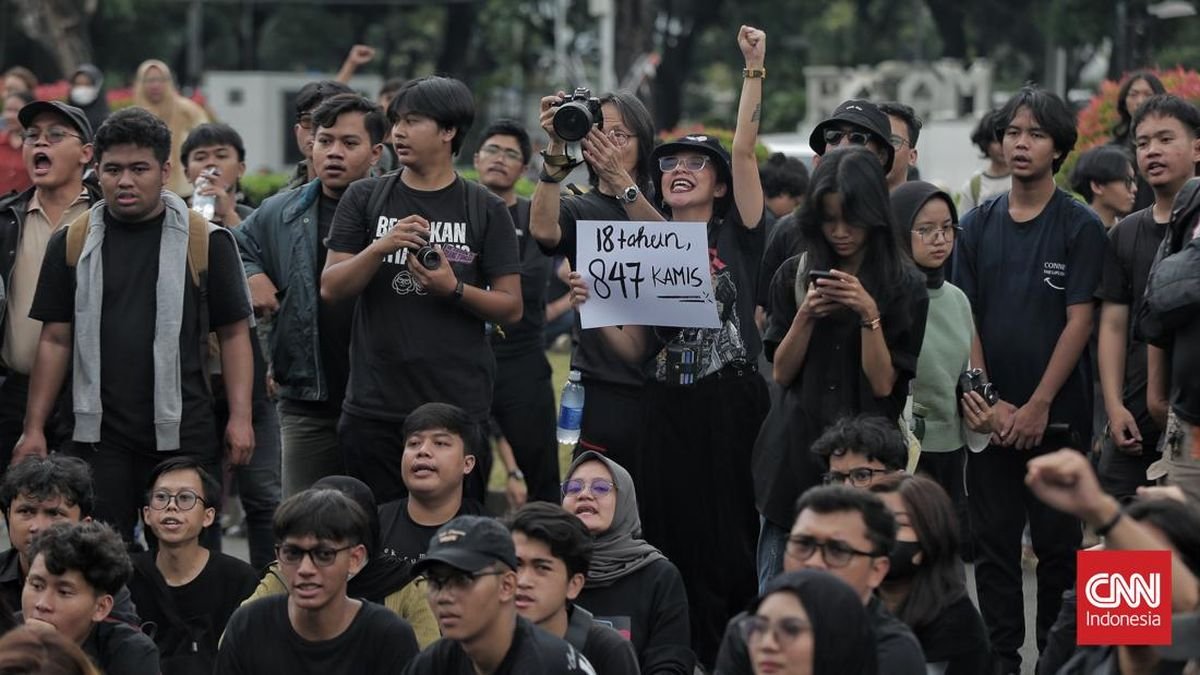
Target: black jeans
<point>612,424</point>
<point>999,505</point>
<point>523,407</point>
<point>1121,473</point>
<point>374,449</point>
<point>949,470</point>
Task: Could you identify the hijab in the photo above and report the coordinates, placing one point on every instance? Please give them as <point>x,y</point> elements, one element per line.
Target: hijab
<point>164,109</point>
<point>383,574</point>
<point>619,550</point>
<point>95,108</point>
<point>180,114</point>
<point>843,638</point>
<point>907,201</point>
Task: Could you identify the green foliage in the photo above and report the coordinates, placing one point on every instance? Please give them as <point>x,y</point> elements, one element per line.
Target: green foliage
<point>259,186</point>
<point>524,186</point>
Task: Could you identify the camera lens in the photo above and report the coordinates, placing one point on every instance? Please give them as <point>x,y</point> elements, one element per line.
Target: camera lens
<point>572,121</point>
<point>428,258</point>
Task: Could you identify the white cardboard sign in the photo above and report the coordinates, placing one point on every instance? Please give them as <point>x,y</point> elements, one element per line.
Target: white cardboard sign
<point>645,274</point>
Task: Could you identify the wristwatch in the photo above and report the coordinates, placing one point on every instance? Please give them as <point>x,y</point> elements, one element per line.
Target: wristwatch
<point>629,195</point>
<point>516,474</point>
<point>458,291</point>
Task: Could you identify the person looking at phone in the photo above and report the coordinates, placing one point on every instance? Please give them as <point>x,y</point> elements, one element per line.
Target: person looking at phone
<point>418,331</point>
<point>843,342</point>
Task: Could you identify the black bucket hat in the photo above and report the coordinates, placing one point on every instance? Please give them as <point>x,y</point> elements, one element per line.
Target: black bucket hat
<point>707,145</point>
<point>864,115</point>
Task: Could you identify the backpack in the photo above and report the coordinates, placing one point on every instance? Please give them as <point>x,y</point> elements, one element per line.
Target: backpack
<point>199,230</point>
<point>477,196</point>
<point>1172,296</point>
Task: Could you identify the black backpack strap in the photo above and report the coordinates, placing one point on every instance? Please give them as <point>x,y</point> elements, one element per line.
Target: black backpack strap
<point>476,203</point>
<point>383,187</point>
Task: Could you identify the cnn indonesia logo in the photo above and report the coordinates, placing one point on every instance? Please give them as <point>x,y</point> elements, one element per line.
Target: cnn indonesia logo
<point>1124,597</point>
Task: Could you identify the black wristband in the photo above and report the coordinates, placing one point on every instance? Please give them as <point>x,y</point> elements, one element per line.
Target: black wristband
<point>458,292</point>
<point>1104,529</point>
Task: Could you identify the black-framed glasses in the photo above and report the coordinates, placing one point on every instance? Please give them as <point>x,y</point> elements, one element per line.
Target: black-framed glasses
<point>457,581</point>
<point>599,487</point>
<point>784,631</point>
<point>858,477</point>
<point>53,135</point>
<point>835,136</point>
<point>1129,181</point>
<point>185,500</point>
<point>930,234</point>
<point>305,120</point>
<point>899,141</point>
<point>491,150</point>
<point>693,163</point>
<point>322,556</point>
<point>836,553</point>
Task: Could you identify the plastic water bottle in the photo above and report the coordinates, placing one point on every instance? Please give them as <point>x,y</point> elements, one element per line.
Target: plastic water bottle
<point>205,205</point>
<point>570,414</point>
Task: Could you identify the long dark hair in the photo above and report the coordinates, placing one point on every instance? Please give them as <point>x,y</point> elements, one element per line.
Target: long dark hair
<point>937,584</point>
<point>856,175</point>
<point>1122,130</point>
<point>641,123</point>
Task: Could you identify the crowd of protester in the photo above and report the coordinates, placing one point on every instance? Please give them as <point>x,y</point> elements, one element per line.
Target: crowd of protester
<point>949,379</point>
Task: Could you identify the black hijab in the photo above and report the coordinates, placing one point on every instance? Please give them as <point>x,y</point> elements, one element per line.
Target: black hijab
<point>843,639</point>
<point>383,574</point>
<point>907,201</point>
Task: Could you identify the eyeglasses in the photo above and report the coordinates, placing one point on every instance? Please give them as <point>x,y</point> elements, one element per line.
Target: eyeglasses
<point>458,582</point>
<point>185,500</point>
<point>54,135</point>
<point>693,163</point>
<point>618,137</point>
<point>859,477</point>
<point>599,487</point>
<point>322,556</point>
<point>835,553</point>
<point>784,631</point>
<point>1129,181</point>
<point>834,137</point>
<point>931,234</point>
<point>508,153</point>
<point>305,120</point>
<point>899,141</point>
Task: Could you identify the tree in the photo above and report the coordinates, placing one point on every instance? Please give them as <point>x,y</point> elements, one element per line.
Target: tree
<point>61,26</point>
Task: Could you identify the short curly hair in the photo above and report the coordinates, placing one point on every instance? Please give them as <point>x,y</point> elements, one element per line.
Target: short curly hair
<point>42,478</point>
<point>875,437</point>
<point>134,126</point>
<point>93,549</point>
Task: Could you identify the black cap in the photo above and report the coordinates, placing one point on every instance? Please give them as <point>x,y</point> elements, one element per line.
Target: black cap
<point>707,145</point>
<point>74,115</point>
<point>469,543</point>
<point>864,115</point>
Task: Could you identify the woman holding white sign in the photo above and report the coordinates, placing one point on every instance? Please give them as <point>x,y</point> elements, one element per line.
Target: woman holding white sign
<point>704,397</point>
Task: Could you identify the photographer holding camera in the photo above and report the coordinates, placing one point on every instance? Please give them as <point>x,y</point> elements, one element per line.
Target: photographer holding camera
<point>430,257</point>
<point>616,148</point>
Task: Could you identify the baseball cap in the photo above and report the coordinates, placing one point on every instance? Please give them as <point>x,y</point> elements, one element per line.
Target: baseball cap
<point>706,145</point>
<point>74,115</point>
<point>864,115</point>
<point>469,543</point>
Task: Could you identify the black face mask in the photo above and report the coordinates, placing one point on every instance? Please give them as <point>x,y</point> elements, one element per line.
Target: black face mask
<point>902,567</point>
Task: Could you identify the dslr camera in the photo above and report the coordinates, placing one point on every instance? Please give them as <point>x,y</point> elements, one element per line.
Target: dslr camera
<point>428,257</point>
<point>972,380</point>
<point>577,114</point>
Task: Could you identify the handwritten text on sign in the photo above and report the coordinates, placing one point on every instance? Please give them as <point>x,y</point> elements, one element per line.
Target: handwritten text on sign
<point>648,274</point>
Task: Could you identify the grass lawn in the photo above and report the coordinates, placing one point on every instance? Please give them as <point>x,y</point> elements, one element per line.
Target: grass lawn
<point>560,363</point>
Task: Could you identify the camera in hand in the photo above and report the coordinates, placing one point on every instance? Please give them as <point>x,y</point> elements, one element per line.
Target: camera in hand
<point>973,380</point>
<point>577,114</point>
<point>428,257</point>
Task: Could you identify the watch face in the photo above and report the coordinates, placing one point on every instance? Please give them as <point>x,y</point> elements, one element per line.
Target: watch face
<point>631,194</point>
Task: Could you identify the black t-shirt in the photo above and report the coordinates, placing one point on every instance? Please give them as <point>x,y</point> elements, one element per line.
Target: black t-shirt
<point>1020,279</point>
<point>406,540</point>
<point>1132,245</point>
<point>533,650</point>
<point>734,256</point>
<point>830,385</point>
<point>604,648</point>
<point>260,640</point>
<point>525,336</point>
<point>440,348</point>
<point>956,639</point>
<point>782,243</point>
<point>130,256</point>
<point>117,647</point>
<point>649,607</point>
<point>334,320</point>
<point>204,605</point>
<point>591,355</point>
